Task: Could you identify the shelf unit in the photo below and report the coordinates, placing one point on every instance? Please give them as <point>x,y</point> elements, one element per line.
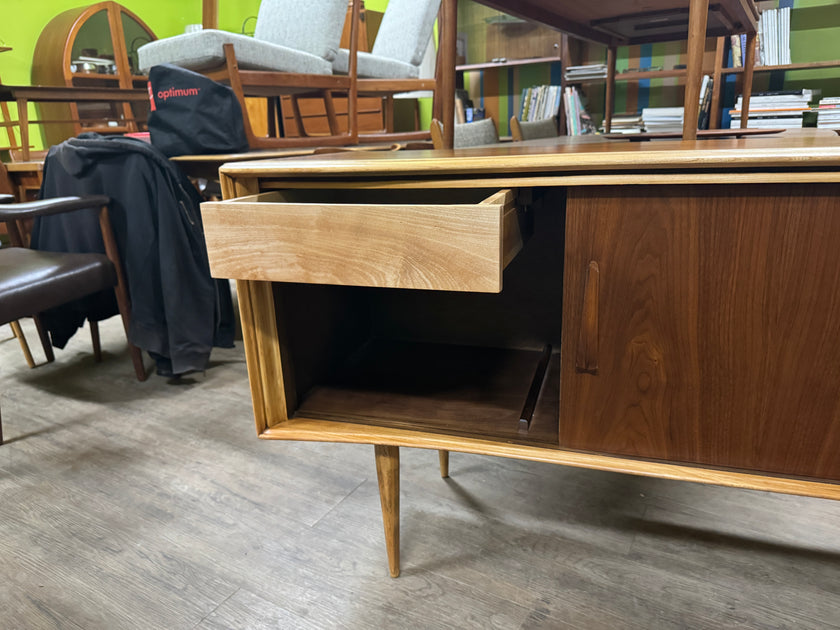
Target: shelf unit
<point>104,30</point>
<point>610,24</point>
<point>720,71</point>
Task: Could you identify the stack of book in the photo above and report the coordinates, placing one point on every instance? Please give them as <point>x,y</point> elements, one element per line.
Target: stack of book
<point>829,113</point>
<point>578,121</point>
<point>539,101</point>
<point>774,110</point>
<point>663,119</point>
<point>573,74</point>
<point>627,123</point>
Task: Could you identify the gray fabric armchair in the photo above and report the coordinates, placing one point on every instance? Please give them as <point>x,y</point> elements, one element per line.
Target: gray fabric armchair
<point>472,134</point>
<point>393,64</point>
<point>291,53</point>
<point>532,129</point>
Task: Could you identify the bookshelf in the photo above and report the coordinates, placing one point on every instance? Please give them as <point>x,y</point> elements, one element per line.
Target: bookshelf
<point>721,70</point>
<point>498,56</point>
<point>614,24</point>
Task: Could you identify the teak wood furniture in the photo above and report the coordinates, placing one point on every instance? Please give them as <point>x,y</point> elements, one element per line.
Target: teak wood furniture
<point>66,97</point>
<point>666,308</point>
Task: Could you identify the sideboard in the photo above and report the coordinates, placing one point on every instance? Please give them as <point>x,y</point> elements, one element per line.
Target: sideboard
<point>664,308</point>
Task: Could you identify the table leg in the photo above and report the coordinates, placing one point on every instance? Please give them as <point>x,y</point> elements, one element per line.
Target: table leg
<point>23,122</point>
<point>444,463</point>
<point>388,474</point>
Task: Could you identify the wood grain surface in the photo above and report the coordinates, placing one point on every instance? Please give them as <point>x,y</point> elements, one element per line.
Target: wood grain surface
<point>794,150</point>
<point>443,246</point>
<point>717,326</point>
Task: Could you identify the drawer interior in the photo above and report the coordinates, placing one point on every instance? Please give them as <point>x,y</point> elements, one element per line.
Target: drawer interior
<point>476,364</point>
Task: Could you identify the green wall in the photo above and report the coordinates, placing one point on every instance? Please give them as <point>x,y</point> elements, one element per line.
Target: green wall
<point>164,17</point>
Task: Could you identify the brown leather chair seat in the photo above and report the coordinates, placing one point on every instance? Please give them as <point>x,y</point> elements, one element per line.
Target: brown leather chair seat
<point>34,281</point>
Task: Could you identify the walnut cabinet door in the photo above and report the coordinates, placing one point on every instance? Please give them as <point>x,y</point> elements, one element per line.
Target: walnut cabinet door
<point>701,324</point>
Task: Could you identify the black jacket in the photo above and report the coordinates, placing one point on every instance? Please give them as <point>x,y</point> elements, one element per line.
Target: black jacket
<point>178,312</point>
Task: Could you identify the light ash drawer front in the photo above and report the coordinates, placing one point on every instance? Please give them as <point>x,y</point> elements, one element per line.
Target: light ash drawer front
<point>403,239</point>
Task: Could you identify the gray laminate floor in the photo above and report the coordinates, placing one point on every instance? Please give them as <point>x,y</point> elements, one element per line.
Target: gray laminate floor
<point>153,505</point>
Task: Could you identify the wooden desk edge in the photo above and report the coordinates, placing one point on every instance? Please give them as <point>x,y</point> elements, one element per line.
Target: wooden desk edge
<point>326,431</point>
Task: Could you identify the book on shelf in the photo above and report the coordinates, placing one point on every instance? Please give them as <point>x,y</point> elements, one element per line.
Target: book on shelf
<point>587,72</point>
<point>735,46</point>
<point>781,98</point>
<point>627,123</point>
<point>704,113</point>
<point>578,121</point>
<point>828,113</point>
<point>539,101</point>
<point>774,37</point>
<point>663,119</point>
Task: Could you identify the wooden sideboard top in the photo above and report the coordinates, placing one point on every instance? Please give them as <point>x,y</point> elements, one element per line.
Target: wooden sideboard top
<point>799,150</point>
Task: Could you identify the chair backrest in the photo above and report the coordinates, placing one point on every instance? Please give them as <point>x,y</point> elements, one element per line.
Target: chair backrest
<point>405,30</point>
<point>532,129</point>
<point>466,134</point>
<point>313,26</point>
<point>476,133</point>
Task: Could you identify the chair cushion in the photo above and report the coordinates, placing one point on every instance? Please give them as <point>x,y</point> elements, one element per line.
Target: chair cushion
<point>475,133</point>
<point>372,67</point>
<point>405,30</point>
<point>533,129</point>
<point>202,50</point>
<point>34,281</point>
<point>313,26</point>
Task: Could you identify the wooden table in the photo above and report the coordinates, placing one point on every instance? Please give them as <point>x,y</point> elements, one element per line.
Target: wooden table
<point>668,308</point>
<point>23,94</point>
<point>26,177</point>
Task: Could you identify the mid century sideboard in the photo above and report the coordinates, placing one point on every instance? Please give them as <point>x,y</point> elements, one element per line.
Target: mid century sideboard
<point>666,308</point>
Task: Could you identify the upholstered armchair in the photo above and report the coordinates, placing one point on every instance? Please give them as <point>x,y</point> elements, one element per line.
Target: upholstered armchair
<point>532,129</point>
<point>292,52</point>
<point>393,64</point>
<point>467,134</point>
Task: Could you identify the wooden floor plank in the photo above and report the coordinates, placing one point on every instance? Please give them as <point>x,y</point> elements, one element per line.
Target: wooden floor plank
<point>154,505</point>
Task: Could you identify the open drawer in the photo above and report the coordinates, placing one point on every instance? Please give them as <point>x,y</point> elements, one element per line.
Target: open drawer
<point>404,239</point>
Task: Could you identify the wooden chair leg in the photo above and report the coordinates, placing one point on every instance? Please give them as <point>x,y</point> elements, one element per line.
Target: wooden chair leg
<point>388,112</point>
<point>388,474</point>
<point>46,344</point>
<point>332,118</point>
<point>27,354</point>
<point>120,290</point>
<point>94,337</point>
<point>297,116</point>
<point>444,463</point>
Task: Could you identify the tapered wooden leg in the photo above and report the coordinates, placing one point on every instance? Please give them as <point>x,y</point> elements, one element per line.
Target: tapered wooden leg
<point>94,337</point>
<point>388,473</point>
<point>444,463</point>
<point>45,339</point>
<point>27,354</point>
